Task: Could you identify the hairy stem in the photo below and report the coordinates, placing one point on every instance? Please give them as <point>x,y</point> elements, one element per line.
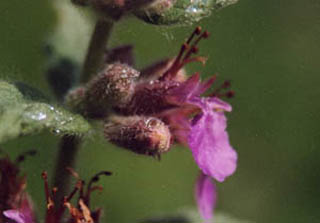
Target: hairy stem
<point>98,42</point>
<point>69,145</point>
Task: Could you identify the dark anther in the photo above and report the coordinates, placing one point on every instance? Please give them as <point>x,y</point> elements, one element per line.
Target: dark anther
<point>23,156</point>
<point>198,30</point>
<point>226,84</point>
<point>95,178</point>
<point>44,175</point>
<point>230,94</point>
<point>195,50</point>
<point>205,34</point>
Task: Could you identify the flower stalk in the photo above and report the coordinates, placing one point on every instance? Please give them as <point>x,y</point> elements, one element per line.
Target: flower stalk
<point>97,46</point>
<point>70,145</point>
<point>68,150</point>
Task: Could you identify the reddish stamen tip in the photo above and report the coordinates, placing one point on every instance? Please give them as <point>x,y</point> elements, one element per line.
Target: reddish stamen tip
<point>54,190</point>
<point>226,84</point>
<point>194,49</point>
<point>22,157</point>
<point>72,172</point>
<point>44,175</point>
<point>230,94</point>
<point>198,30</point>
<point>205,34</point>
<point>184,46</point>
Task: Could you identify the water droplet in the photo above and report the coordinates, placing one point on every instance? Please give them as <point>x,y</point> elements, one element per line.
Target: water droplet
<point>38,116</point>
<point>57,131</point>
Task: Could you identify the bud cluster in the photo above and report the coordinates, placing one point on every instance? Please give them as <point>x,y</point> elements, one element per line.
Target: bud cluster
<point>147,112</point>
<point>130,102</point>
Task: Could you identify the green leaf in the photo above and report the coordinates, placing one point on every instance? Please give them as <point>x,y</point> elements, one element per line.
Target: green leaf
<point>180,12</point>
<point>21,116</point>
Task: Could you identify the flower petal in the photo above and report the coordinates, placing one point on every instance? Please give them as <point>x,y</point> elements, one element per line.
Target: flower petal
<point>206,196</point>
<point>209,143</point>
<point>16,216</point>
<point>191,88</point>
<point>207,104</point>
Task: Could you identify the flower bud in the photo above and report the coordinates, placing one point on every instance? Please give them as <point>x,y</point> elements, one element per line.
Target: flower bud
<point>142,135</point>
<point>180,12</point>
<point>114,86</point>
<point>115,9</point>
<point>75,99</point>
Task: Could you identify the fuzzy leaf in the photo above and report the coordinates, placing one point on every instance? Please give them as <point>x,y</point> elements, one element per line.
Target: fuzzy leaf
<point>20,116</point>
<point>180,12</point>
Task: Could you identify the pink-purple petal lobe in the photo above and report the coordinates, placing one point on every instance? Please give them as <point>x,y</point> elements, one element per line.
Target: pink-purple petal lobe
<point>191,88</point>
<point>16,215</point>
<point>209,143</point>
<point>206,196</point>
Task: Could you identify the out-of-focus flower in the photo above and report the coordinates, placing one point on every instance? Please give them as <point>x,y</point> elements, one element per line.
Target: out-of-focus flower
<point>15,202</point>
<point>206,196</point>
<point>193,120</point>
<point>81,213</point>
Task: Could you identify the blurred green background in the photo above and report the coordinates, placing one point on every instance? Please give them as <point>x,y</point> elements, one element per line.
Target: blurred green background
<point>270,49</point>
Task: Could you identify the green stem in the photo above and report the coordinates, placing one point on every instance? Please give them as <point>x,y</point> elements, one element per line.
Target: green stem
<point>98,42</point>
<point>69,145</point>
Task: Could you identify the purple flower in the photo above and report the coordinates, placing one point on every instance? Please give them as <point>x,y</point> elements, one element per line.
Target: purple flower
<point>163,92</point>
<point>209,141</point>
<point>18,216</point>
<point>12,191</point>
<point>205,133</point>
<point>206,196</point>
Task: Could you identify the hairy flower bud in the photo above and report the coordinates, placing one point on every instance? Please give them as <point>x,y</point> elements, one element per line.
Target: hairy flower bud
<point>180,12</point>
<point>143,135</point>
<point>75,99</point>
<point>113,86</point>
